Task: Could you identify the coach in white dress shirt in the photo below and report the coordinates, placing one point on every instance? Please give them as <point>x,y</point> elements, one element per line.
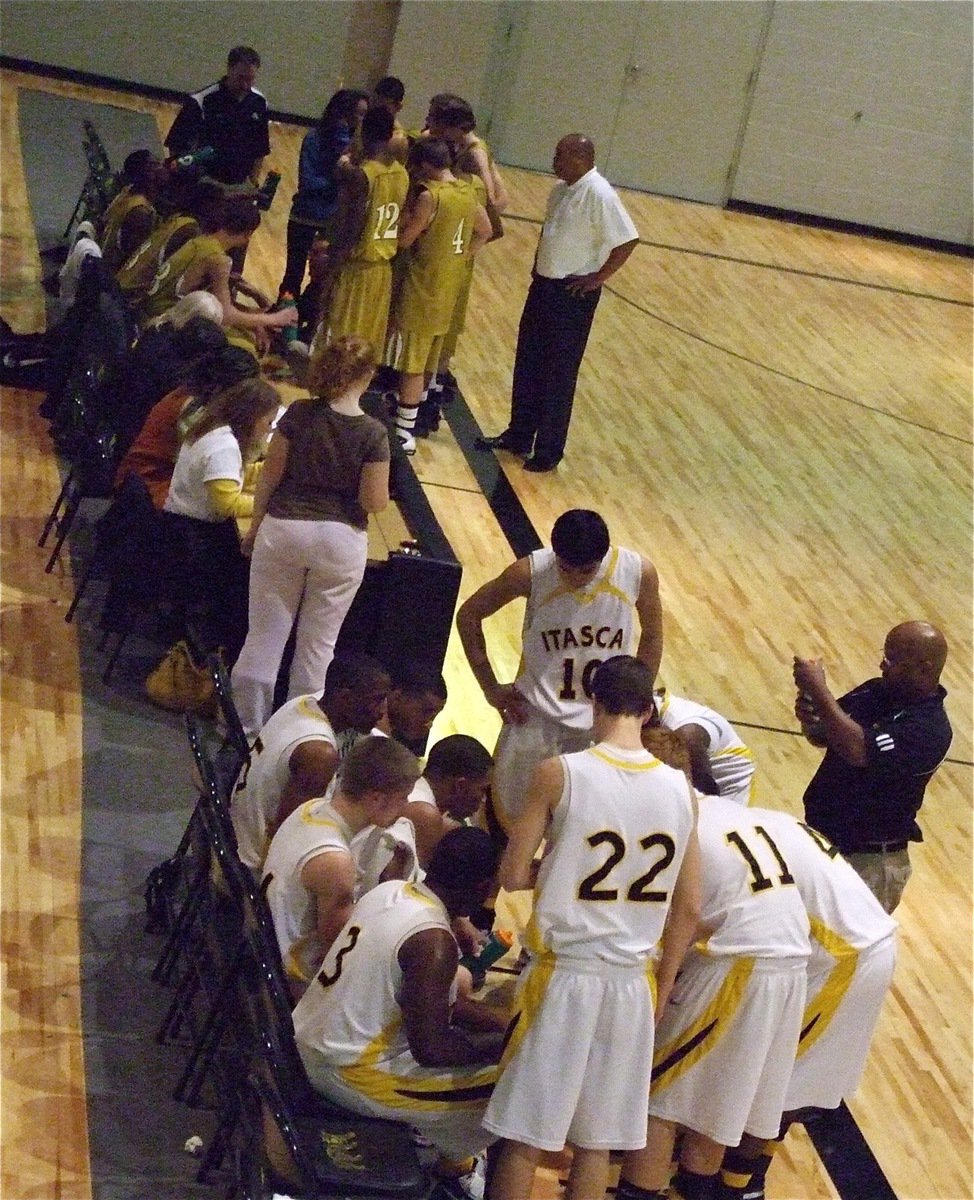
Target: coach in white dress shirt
<point>586,237</point>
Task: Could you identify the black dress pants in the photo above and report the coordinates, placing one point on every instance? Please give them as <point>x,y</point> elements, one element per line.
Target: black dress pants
<point>300,239</point>
<point>209,579</point>
<point>551,340</point>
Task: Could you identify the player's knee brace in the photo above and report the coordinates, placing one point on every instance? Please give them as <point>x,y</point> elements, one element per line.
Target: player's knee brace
<point>735,1175</point>
<point>688,1185</point>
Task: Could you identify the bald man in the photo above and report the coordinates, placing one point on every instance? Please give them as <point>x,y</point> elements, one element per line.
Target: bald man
<point>586,237</point>
<point>883,741</point>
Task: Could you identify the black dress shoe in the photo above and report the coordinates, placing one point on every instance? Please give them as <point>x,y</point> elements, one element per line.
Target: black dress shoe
<point>537,464</point>
<point>502,441</point>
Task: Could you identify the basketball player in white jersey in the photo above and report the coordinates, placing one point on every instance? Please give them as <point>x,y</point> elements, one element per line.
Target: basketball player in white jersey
<point>720,763</point>
<point>726,1042</point>
<point>376,1029</point>
<point>586,601</point>
<point>449,792</point>
<point>621,861</point>
<point>310,873</point>
<point>296,754</point>
<point>849,975</point>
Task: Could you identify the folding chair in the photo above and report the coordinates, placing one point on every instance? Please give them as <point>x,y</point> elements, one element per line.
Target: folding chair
<point>191,862</point>
<point>235,751</point>
<point>289,1140</point>
<point>209,940</point>
<point>92,470</point>
<point>128,518</point>
<point>80,427</point>
<point>100,184</point>
<point>132,549</point>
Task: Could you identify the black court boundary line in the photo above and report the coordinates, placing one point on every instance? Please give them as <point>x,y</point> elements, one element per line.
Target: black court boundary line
<point>846,1155</point>
<point>780,268</point>
<point>493,483</point>
<point>837,1139</point>
<point>794,216</point>
<point>815,387</point>
<point>957,762</point>
<point>407,491</point>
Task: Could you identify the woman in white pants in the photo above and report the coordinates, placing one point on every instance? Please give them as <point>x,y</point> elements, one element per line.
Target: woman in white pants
<point>327,468</point>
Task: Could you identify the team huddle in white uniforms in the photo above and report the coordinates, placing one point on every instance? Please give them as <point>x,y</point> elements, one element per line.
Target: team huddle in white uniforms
<point>694,964</point>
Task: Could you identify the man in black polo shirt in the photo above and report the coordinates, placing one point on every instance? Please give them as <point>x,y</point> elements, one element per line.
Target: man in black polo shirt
<point>883,741</point>
<point>230,116</point>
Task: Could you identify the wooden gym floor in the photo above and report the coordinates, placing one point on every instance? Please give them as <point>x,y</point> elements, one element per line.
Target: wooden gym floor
<point>779,416</point>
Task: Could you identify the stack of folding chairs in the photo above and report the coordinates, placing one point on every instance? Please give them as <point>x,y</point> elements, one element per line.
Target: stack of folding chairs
<point>231,1012</point>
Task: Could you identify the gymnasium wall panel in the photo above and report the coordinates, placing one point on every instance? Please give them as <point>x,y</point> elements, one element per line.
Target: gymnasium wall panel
<point>173,44</point>
<point>863,112</point>
<point>445,46</point>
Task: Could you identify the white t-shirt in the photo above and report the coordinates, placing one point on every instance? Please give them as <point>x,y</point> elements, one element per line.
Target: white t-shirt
<point>216,455</point>
<point>584,223</point>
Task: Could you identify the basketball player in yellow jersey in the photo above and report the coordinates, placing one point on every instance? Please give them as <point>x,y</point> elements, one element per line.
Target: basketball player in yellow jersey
<point>390,93</point>
<point>451,118</point>
<point>366,238</point>
<point>185,210</point>
<point>203,264</point>
<point>442,229</point>
<point>136,274</point>
<point>428,420</point>
<point>131,216</point>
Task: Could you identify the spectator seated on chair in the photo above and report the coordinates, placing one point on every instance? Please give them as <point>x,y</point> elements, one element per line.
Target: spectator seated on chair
<point>205,499</point>
<point>162,359</point>
<point>152,455</point>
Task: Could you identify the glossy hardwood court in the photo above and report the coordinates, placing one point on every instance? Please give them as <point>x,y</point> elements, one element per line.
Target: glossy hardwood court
<point>779,416</point>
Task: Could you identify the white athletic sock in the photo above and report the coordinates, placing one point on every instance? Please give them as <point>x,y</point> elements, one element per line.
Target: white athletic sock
<point>405,422</point>
<point>405,418</point>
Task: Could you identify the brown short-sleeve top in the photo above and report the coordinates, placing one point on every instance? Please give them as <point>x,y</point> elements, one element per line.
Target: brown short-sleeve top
<point>326,453</point>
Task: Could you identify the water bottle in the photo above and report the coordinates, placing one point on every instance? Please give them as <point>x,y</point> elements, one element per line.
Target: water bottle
<point>496,946</point>
<point>286,300</point>
<point>198,158</point>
